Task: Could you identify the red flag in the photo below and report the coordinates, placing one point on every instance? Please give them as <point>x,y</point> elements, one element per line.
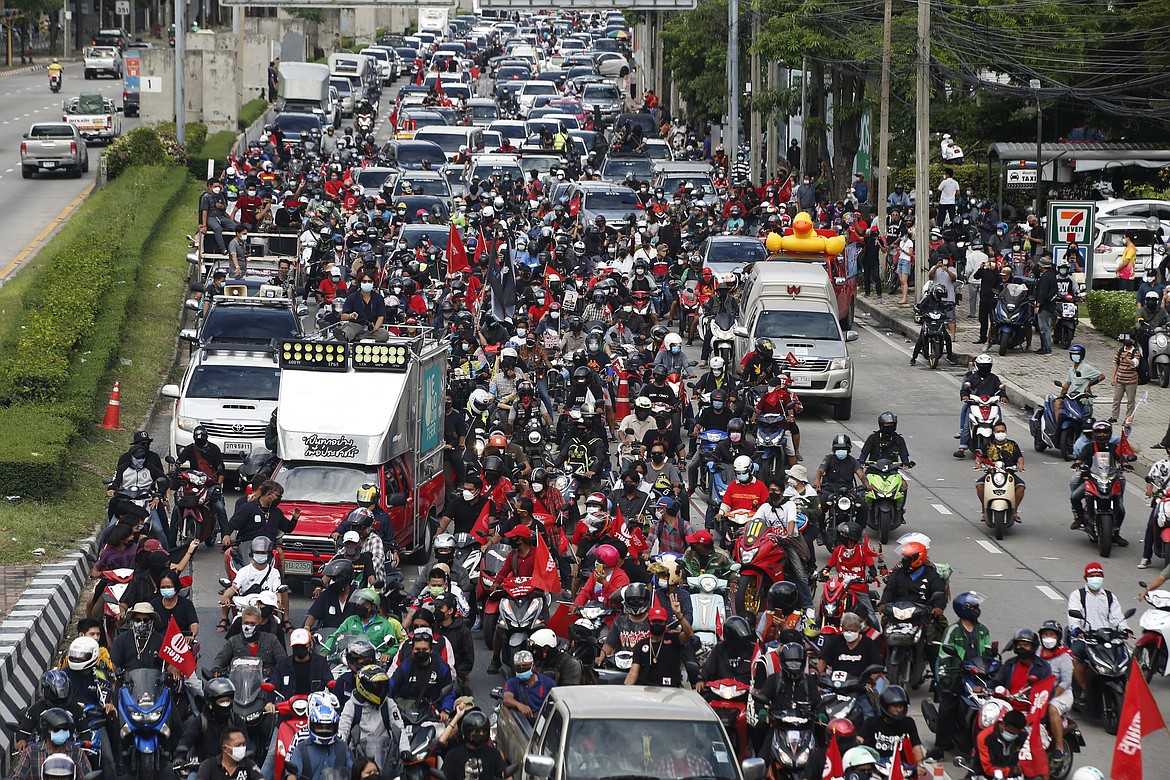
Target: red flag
<point>479,246</point>
<point>175,650</point>
<point>545,574</point>
<point>1139,717</point>
<point>456,253</point>
<point>574,206</point>
<point>833,765</point>
<point>1033,758</point>
<point>631,538</point>
<point>896,768</point>
<point>1123,447</point>
<point>480,531</point>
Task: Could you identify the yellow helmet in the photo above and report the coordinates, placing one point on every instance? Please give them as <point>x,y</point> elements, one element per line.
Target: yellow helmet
<point>773,242</point>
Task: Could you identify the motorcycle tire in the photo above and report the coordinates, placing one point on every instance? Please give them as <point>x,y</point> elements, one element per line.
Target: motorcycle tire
<point>1110,710</point>
<point>1163,374</point>
<point>1038,442</point>
<point>885,522</point>
<point>490,620</point>
<point>1105,536</point>
<point>1060,768</point>
<point>147,765</point>
<point>185,531</point>
<point>999,522</point>
<point>1148,661</point>
<point>1068,440</point>
<point>930,715</point>
<point>933,353</point>
<point>902,671</point>
<point>749,596</point>
<point>917,673</point>
<point>1005,341</point>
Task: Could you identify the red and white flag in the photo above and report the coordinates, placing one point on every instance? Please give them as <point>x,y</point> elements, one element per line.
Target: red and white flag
<point>481,532</point>
<point>545,574</point>
<point>1139,717</point>
<point>833,765</point>
<point>1033,757</point>
<point>631,538</point>
<point>176,651</point>
<point>456,253</point>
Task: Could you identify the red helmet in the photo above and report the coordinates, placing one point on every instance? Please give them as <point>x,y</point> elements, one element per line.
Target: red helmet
<point>707,273</point>
<point>915,551</point>
<point>498,440</point>
<point>842,727</point>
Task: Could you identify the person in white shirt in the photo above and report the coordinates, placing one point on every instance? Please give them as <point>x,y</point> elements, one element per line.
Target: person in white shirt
<point>948,189</point>
<point>808,501</point>
<point>1157,482</point>
<point>1099,609</point>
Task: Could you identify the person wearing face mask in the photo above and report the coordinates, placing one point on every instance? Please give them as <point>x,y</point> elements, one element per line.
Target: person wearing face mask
<point>460,516</point>
<point>854,654</point>
<point>606,578</point>
<point>701,557</point>
<point>839,471</point>
<point>730,659</point>
<point>476,757</point>
<point>658,659</point>
<point>170,604</point>
<point>963,640</point>
<point>213,216</point>
<point>526,691</point>
<point>232,762</point>
<point>997,747</point>
<point>55,756</point>
<point>302,672</point>
<point>788,686</point>
<point>385,633</point>
<point>634,426</point>
<point>915,579</point>
<point>138,481</point>
<point>1006,451</point>
<point>1060,659</point>
<point>331,604</point>
<point>364,313</point>
<point>139,647</point>
<point>671,356</point>
<point>424,679</point>
<point>200,739</point>
<point>204,455</point>
<point>251,642</point>
<point>893,731</point>
<point>630,499</point>
<point>806,194</point>
<point>779,511</point>
<point>250,209</point>
<point>1099,608</point>
<point>1081,378</point>
<point>978,381</point>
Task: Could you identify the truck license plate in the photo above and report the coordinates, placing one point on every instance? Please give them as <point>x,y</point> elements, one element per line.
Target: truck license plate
<point>237,446</point>
<point>50,164</point>
<point>801,380</point>
<point>298,567</point>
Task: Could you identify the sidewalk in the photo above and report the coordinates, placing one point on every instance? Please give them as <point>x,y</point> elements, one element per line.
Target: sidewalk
<point>1029,377</point>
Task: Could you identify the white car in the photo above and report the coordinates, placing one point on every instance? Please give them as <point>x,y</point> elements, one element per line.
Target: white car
<point>1109,244</point>
<point>612,65</point>
<point>1137,209</point>
<point>527,94</point>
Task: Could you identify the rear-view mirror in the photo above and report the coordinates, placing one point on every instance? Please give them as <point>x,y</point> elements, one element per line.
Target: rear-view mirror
<point>396,499</point>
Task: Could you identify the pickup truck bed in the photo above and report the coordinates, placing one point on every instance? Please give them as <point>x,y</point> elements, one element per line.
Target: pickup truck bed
<point>53,146</point>
<point>94,116</point>
<point>103,60</point>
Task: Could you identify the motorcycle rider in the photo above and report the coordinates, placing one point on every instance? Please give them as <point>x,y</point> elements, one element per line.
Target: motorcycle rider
<point>1102,441</point>
<point>854,556</point>
<point>56,691</point>
<point>935,300</point>
<point>997,747</point>
<point>759,366</point>
<point>730,659</point>
<point>887,443</point>
<point>1157,483</point>
<point>658,659</point>
<point>251,642</point>
<point>839,471</point>
<point>385,632</point>
<point>56,69</point>
<point>1081,378</point>
<point>371,722</point>
<point>231,760</point>
<point>585,453</point>
<point>200,739</point>
<point>630,627</point>
<point>979,381</point>
<point>261,574</point>
<point>746,493</point>
<point>779,511</point>
<point>1060,659</point>
<point>915,579</point>
<point>139,647</point>
<point>860,763</point>
<point>331,604</point>
<point>605,580</point>
<point>476,757</point>
<point>791,687</point>
<point>963,639</point>
<point>1149,317</point>
<point>424,679</point>
<point>204,455</point>
<point>303,670</point>
<point>1006,451</point>
<point>852,653</point>
<point>702,557</point>
<point>55,753</point>
<point>552,660</point>
<point>890,731</point>
<point>323,750</point>
<point>1099,609</point>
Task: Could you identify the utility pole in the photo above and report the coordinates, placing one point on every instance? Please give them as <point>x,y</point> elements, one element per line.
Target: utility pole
<point>803,116</point>
<point>772,126</point>
<point>180,52</point>
<point>757,129</point>
<point>922,150</point>
<point>238,30</point>
<point>731,137</point>
<point>883,177</point>
<point>1035,85</point>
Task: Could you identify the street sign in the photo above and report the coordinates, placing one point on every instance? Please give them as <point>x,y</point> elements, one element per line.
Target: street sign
<point>122,7</point>
<point>1070,221</point>
<point>1021,177</point>
<point>151,83</point>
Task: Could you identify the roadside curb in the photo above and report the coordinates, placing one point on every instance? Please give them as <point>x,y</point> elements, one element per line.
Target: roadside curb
<point>22,71</point>
<point>30,634</point>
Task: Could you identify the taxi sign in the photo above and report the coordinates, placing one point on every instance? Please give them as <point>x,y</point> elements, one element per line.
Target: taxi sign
<point>314,355</point>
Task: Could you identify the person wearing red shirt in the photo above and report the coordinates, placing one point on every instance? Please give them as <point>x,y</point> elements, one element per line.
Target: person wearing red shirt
<point>854,557</point>
<point>606,579</point>
<point>334,188</point>
<point>746,493</point>
<point>331,286</point>
<point>250,208</point>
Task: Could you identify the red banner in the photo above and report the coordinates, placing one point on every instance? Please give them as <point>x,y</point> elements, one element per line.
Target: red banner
<point>545,574</point>
<point>632,539</point>
<point>1139,717</point>
<point>1033,757</point>
<point>456,253</point>
<point>480,531</point>
<point>175,650</point>
<point>833,765</point>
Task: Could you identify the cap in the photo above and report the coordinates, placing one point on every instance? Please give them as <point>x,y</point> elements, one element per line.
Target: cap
<point>699,537</point>
<point>667,503</point>
<point>445,599</point>
<point>143,608</point>
<point>300,637</point>
<point>142,437</point>
<point>351,536</point>
<point>521,531</point>
<point>798,472</point>
<point>657,613</point>
<point>153,545</point>
<point>335,272</point>
<point>1094,570</point>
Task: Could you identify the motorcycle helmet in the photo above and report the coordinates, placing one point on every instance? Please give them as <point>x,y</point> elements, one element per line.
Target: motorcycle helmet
<point>220,692</point>
<point>339,570</point>
<point>888,422</point>
<point>894,696</point>
<point>367,495</point>
<point>581,375</point>
<point>735,425</point>
<point>842,442</point>
<point>841,727</point>
<point>543,638</point>
<point>636,599</point>
<point>360,653</point>
<point>717,365</point>
<point>966,605</point>
<point>1075,350</point>
<point>1102,431</point>
<point>718,399</point>
<point>607,555</point>
<point>1152,297</point>
<point>498,440</point>
<point>1088,773</point>
<point>783,597</point>
<point>659,371</point>
<point>475,728</point>
<point>765,348</point>
<point>323,719</point>
<point>642,407</point>
<point>1051,627</point>
<point>480,401</point>
<point>913,554</point>
<point>444,545</point>
<point>1025,636</point>
<point>939,292</point>
<point>492,466</point>
<point>83,653</point>
<point>983,364</point>
<point>860,756</point>
<point>360,519</point>
<point>262,545</point>
<point>59,766</point>
<point>849,531</point>
<point>743,467</point>
<point>672,340</point>
<point>738,633</point>
<point>55,719</point>
<point>373,685</point>
<point>199,435</point>
<point>55,688</point>
<point>793,658</point>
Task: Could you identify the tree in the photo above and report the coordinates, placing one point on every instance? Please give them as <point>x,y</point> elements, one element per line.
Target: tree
<point>694,47</point>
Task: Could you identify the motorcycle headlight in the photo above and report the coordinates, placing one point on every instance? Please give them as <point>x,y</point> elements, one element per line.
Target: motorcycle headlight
<point>1160,340</point>
<point>746,556</point>
<point>839,364</point>
<point>707,583</point>
<point>844,503</point>
<point>904,613</point>
<point>187,424</point>
<point>534,437</point>
<point>999,479</point>
<point>508,610</point>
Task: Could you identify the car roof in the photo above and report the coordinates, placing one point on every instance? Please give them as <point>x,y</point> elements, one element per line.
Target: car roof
<point>634,702</point>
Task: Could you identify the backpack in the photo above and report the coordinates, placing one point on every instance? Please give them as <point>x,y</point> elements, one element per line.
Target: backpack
<point>1084,597</point>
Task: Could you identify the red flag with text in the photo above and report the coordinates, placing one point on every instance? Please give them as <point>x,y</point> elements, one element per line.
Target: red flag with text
<point>545,574</point>
<point>176,651</point>
<point>480,531</point>
<point>631,538</point>
<point>1033,757</point>
<point>456,253</point>
<point>833,765</point>
<point>1139,717</point>
<point>896,772</point>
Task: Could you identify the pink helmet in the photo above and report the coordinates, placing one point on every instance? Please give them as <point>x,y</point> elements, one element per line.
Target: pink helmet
<point>607,554</point>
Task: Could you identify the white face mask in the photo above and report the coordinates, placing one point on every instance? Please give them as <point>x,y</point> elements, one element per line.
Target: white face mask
<point>468,495</point>
<point>1049,642</point>
<point>850,636</point>
<point>238,753</point>
<point>1001,435</point>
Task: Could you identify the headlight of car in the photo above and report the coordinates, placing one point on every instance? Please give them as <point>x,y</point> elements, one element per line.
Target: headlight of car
<point>839,364</point>
<point>187,423</point>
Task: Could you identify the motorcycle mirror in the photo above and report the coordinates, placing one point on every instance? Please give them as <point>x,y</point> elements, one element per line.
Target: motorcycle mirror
<point>171,460</point>
<point>735,567</point>
<point>498,693</point>
<point>742,332</point>
<point>753,768</point>
<point>1076,613</point>
<point>1143,584</point>
<point>1130,612</point>
<point>225,582</point>
<point>396,499</point>
<point>267,687</point>
<point>1057,383</point>
<point>995,648</point>
<point>961,763</point>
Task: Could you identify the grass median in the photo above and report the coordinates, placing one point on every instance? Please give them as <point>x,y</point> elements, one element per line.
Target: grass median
<point>145,358</point>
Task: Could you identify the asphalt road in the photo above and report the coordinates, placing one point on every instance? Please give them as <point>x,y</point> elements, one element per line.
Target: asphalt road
<point>32,205</point>
<point>1026,577</point>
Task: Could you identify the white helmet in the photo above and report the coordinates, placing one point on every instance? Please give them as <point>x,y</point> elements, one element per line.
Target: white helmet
<point>983,360</point>
<point>444,542</point>
<point>480,401</point>
<point>543,638</point>
<point>717,364</point>
<point>1088,773</point>
<point>488,212</point>
<point>671,340</point>
<point>859,756</point>
<point>744,467</point>
<point>498,202</point>
<point>83,653</point>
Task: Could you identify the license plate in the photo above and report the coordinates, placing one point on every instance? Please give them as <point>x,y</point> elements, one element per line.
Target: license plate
<point>298,567</point>
<point>1070,310</point>
<point>237,446</point>
<point>801,380</point>
<point>50,164</point>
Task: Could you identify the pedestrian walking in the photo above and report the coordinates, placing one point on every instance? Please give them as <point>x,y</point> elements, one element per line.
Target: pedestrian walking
<point>871,252</point>
<point>905,260</point>
<point>1125,377</point>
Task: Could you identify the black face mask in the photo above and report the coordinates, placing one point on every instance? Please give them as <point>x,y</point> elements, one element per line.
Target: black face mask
<point>658,457</point>
<point>1025,653</point>
<point>657,629</point>
<point>301,652</point>
<point>907,562</point>
<point>422,657</point>
<point>776,497</point>
<point>631,487</point>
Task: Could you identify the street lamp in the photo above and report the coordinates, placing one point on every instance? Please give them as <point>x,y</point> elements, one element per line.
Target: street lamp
<point>1035,86</point>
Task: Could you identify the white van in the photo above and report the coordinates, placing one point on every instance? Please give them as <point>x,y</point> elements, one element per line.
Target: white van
<point>361,69</point>
<point>794,305</point>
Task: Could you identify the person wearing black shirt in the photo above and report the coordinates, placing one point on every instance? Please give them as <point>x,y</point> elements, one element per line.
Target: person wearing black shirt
<point>465,510</point>
<point>455,437</point>
<point>658,659</point>
<point>991,281</point>
<point>475,757</point>
<point>1045,304</point>
<point>887,732</point>
<point>138,648</point>
<point>204,455</point>
<point>364,312</point>
<point>851,653</point>
<point>665,436</point>
<point>153,461</point>
<point>180,607</point>
<point>791,688</point>
<point>302,672</point>
<point>262,516</point>
<point>231,763</point>
<point>331,607</point>
<point>658,391</point>
<point>731,659</point>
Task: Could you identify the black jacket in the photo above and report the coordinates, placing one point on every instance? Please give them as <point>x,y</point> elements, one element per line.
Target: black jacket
<point>462,642</point>
<point>1046,290</point>
<point>928,589</point>
<point>286,682</point>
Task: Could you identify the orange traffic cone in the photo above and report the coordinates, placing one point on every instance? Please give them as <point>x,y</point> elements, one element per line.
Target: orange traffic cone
<point>621,405</point>
<point>113,409</point>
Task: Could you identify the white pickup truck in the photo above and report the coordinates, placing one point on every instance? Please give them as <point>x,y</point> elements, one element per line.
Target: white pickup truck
<point>101,60</point>
<point>53,146</point>
<point>95,117</point>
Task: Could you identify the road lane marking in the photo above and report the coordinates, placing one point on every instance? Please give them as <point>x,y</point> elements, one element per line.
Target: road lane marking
<point>8,269</point>
<point>991,548</point>
<point>942,510</point>
<point>1050,593</point>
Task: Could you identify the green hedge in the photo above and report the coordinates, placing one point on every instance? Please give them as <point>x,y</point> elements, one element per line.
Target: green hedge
<point>196,135</point>
<point>34,451</point>
<point>1112,312</point>
<point>218,147</point>
<point>251,111</point>
<point>143,146</point>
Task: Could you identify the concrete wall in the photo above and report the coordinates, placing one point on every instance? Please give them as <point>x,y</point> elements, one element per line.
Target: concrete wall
<point>210,82</point>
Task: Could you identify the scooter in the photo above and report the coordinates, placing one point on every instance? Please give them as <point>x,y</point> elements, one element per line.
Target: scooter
<point>999,495</point>
<point>760,555</point>
<point>521,611</point>
<point>710,466</point>
<point>841,694</point>
<point>144,705</point>
<point>837,598</point>
<point>790,744</point>
<point>886,495</point>
<point>977,674</point>
<point>1064,329</point>
<point>54,82</point>
<point>468,556</point>
<point>585,637</point>
<point>194,512</point>
<point>708,611</point>
<point>115,583</point>
<point>1159,357</point>
<point>729,699</point>
<point>423,725</point>
<point>842,507</point>
<point>1060,434</point>
<point>1012,318</point>
<point>1152,651</point>
<point>1103,501</point>
<point>294,716</point>
<point>722,327</point>
<point>364,123</point>
<point>1107,665</point>
<point>489,597</point>
<point>906,647</point>
<point>933,335</point>
<point>771,445</point>
<point>983,413</point>
<point>1162,525</point>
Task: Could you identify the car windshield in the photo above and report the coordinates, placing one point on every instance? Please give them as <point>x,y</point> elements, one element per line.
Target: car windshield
<point>448,142</point>
<point>604,749</point>
<point>617,168</point>
<point>414,155</point>
<point>321,484</point>
<point>430,186</point>
<point>778,324</point>
<point>612,200</point>
<point>484,112</point>
<point>674,182</point>
<point>745,251</point>
<point>542,164</point>
<point>247,324</point>
<point>438,235</point>
<point>373,178</point>
<point>295,124</point>
<point>259,383</point>
<point>484,171</point>
<point>343,85</point>
<point>51,131</point>
<point>539,88</point>
<point>601,92</point>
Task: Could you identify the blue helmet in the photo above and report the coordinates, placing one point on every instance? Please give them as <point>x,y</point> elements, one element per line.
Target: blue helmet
<point>56,688</point>
<point>1076,349</point>
<point>323,718</point>
<point>967,605</point>
<point>1001,226</point>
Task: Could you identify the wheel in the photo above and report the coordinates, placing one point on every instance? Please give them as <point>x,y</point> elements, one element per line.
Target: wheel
<point>26,172</point>
<point>885,523</point>
<point>1004,342</point>
<point>490,619</point>
<point>1163,374</point>
<point>749,596</point>
<point>843,409</point>
<point>999,523</point>
<point>1147,660</point>
<point>185,531</point>
<point>75,172</point>
<point>88,74</point>
<point>85,165</point>
<point>1110,710</point>
<point>1105,543</point>
<point>624,72</point>
<point>422,552</point>
<point>902,673</point>
<point>1059,768</point>
<point>933,354</point>
<point>1037,442</point>
<point>1067,440</point>
<point>147,763</point>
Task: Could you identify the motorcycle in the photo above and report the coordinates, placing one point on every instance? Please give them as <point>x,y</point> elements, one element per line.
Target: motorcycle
<point>790,744</point>
<point>1159,357</point>
<point>423,726</point>
<point>712,479</point>
<point>115,582</point>
<point>983,413</point>
<point>771,445</point>
<point>933,336</point>
<point>468,556</point>
<point>144,705</point>
<point>1153,647</point>
<point>977,674</point>
<point>249,705</point>
<point>644,305</point>
<point>999,496</point>
<point>537,448</point>
<point>731,525</point>
<point>905,643</point>
<point>729,699</point>
<point>837,598</point>
<point>722,328</point>
<point>885,495</point>
<point>1064,329</point>
<point>521,609</point>
<point>1107,666</point>
<point>195,496</point>
<point>1060,434</point>
<point>688,305</point>
<point>841,694</point>
<point>760,554</point>
<point>841,507</point>
<point>54,82</point>
<point>1103,498</point>
<point>489,596</point>
<point>708,611</point>
<point>585,636</point>
<point>364,123</point>
<point>294,716</point>
<point>1012,318</point>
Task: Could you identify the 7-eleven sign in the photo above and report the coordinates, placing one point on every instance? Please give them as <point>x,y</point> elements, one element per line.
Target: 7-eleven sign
<point>1070,221</point>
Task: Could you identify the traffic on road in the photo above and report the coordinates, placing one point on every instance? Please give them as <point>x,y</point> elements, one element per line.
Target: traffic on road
<point>521,434</point>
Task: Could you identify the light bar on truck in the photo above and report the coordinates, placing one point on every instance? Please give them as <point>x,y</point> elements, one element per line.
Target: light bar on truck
<point>314,355</point>
<point>381,357</point>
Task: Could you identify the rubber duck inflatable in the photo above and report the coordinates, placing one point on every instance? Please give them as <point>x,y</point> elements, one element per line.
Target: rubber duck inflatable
<point>801,237</point>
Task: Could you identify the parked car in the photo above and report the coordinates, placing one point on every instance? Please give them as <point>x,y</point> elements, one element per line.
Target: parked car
<point>1109,244</point>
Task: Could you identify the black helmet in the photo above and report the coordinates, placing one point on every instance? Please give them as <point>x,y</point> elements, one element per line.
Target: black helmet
<point>199,435</point>
<point>360,654</point>
<point>735,425</point>
<point>842,442</point>
<point>850,532</point>
<point>1102,430</point>
<point>493,463</point>
<point>475,728</point>
<point>719,395</point>
<point>783,597</point>
<point>793,658</point>
<point>659,371</point>
<point>55,688</point>
<point>220,688</point>
<point>939,291</point>
<point>894,696</point>
<point>887,422</point>
<point>539,475</point>
<point>581,374</point>
<point>636,599</point>
<point>765,347</point>
<point>1026,635</point>
<point>55,719</point>
<point>737,632</point>
<point>658,332</point>
<point>338,570</point>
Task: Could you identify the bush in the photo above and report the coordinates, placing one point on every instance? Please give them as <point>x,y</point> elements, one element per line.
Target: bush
<point>34,452</point>
<point>1112,312</point>
<point>142,146</point>
<point>196,135</point>
<point>218,147</point>
<point>251,111</point>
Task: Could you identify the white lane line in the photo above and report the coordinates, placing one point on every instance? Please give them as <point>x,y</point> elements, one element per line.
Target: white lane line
<point>1050,593</point>
<point>10,170</point>
<point>942,510</point>
<point>991,548</point>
